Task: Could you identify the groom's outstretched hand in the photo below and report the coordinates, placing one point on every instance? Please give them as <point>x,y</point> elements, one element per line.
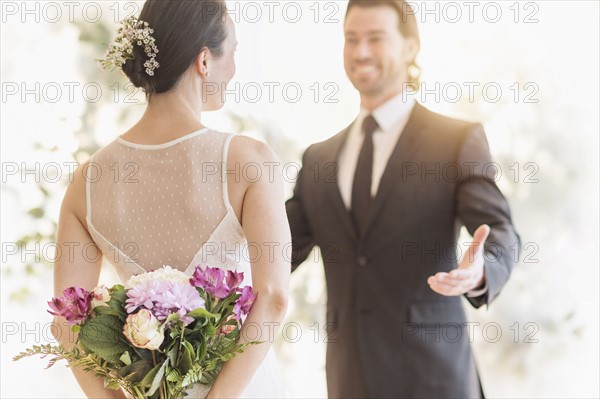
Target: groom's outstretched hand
<point>469,275</point>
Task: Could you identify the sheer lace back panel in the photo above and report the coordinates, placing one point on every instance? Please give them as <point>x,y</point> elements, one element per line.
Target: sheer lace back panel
<point>155,205</point>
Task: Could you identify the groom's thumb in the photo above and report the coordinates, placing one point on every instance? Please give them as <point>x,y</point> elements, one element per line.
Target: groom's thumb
<point>479,237</point>
<point>481,234</point>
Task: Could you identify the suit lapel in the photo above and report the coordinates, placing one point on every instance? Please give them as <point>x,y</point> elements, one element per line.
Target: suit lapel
<point>406,145</point>
<point>330,171</point>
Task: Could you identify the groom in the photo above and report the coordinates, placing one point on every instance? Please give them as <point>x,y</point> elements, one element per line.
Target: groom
<point>384,200</point>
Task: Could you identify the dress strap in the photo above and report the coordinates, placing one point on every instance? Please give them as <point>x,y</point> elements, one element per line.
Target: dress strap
<point>88,189</point>
<point>224,172</point>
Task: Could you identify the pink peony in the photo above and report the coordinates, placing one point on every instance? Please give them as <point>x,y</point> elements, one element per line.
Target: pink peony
<point>164,297</point>
<point>178,298</point>
<point>143,295</point>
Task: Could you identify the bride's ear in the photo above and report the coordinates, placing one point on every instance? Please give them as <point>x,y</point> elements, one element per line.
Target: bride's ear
<point>203,61</point>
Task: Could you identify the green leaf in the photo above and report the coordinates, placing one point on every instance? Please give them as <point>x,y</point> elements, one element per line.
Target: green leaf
<point>112,384</point>
<point>174,376</point>
<point>158,378</point>
<point>118,308</point>
<point>172,317</point>
<point>106,310</point>
<point>147,380</point>
<point>234,335</point>
<point>125,358</point>
<point>226,305</point>
<point>103,336</point>
<point>136,371</point>
<point>172,354</point>
<point>117,300</point>
<point>193,376</point>
<point>201,312</point>
<point>210,331</point>
<point>188,353</point>
<point>119,292</point>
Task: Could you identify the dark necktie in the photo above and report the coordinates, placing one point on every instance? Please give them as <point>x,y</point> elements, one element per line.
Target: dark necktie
<point>361,187</point>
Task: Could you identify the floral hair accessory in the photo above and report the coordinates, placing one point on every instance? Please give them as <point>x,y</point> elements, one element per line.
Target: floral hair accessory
<point>132,32</point>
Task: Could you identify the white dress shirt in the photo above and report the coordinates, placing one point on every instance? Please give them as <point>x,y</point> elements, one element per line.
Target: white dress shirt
<point>392,117</point>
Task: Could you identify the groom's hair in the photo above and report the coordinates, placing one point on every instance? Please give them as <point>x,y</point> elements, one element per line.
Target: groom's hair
<point>181,29</point>
<point>407,26</point>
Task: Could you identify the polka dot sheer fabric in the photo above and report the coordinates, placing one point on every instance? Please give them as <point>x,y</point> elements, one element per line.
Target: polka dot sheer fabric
<point>155,205</point>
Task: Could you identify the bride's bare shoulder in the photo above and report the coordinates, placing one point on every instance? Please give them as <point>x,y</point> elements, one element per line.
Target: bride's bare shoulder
<point>74,200</point>
<point>248,149</point>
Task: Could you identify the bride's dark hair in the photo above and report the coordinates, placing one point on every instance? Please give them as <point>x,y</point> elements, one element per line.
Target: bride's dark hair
<point>181,29</point>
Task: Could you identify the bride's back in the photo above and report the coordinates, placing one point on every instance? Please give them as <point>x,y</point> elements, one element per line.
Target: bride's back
<point>155,205</point>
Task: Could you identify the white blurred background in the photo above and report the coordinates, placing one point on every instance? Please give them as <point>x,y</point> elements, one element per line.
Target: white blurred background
<point>533,67</point>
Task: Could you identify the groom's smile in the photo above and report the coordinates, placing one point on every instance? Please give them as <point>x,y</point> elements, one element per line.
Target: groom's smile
<point>365,72</point>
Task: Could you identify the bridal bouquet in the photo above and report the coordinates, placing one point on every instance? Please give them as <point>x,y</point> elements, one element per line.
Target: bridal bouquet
<point>156,335</point>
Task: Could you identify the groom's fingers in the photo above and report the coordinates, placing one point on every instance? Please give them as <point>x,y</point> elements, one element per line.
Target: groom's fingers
<point>444,281</point>
<point>446,289</point>
<point>456,275</point>
<point>461,274</point>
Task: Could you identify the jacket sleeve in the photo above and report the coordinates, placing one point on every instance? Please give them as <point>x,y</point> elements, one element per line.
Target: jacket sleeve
<point>479,201</point>
<point>302,235</point>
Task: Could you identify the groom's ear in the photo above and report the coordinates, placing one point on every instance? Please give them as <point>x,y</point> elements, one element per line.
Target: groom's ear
<point>411,50</point>
<point>202,62</point>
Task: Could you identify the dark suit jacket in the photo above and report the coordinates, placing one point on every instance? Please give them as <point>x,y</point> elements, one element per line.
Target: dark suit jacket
<point>390,335</point>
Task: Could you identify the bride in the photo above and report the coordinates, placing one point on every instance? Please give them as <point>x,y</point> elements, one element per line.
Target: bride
<point>166,192</point>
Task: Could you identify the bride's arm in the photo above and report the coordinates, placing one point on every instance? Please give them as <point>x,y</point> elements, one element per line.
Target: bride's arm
<point>77,264</point>
<point>266,228</point>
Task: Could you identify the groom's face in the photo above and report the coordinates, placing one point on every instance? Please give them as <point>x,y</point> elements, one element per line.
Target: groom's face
<point>376,55</point>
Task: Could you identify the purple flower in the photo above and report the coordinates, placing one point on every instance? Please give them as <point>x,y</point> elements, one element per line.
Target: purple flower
<point>234,279</point>
<point>210,280</point>
<point>244,303</point>
<point>180,298</point>
<point>143,295</point>
<point>74,305</point>
<point>164,297</point>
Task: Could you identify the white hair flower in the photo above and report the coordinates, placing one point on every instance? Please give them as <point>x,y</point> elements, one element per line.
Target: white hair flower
<point>132,31</point>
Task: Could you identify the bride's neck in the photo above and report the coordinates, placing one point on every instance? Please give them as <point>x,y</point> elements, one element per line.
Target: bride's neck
<point>167,117</point>
<point>172,106</point>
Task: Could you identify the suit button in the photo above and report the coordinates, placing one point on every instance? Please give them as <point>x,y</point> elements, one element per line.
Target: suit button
<point>362,261</point>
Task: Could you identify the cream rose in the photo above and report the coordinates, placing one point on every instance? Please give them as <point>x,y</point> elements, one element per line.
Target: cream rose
<point>144,330</point>
<point>100,296</point>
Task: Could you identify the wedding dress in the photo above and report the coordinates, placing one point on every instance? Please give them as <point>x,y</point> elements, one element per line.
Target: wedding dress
<point>167,204</point>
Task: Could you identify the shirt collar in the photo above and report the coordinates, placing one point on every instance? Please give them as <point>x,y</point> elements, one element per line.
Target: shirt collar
<point>389,114</point>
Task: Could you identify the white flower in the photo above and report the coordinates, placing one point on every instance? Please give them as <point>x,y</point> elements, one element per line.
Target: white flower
<point>100,296</point>
<point>144,330</point>
<point>166,273</point>
<point>132,32</point>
